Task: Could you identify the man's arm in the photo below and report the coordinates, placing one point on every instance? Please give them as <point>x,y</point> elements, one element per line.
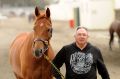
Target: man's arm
<point>58,62</point>
<point>102,70</point>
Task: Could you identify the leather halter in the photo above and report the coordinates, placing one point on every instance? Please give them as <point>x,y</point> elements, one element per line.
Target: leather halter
<point>41,51</point>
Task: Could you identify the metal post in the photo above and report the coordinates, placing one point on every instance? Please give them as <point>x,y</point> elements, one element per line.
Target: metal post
<point>76,17</point>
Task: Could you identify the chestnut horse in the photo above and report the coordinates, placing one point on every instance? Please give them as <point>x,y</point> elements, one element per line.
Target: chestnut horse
<point>28,49</point>
<point>115,27</point>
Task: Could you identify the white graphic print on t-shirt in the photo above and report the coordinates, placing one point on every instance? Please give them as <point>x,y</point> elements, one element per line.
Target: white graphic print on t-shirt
<point>81,62</point>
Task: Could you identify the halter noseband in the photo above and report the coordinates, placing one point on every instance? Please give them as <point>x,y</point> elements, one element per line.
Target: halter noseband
<point>39,52</point>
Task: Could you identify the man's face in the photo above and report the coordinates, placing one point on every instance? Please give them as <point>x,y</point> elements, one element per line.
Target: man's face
<point>81,36</point>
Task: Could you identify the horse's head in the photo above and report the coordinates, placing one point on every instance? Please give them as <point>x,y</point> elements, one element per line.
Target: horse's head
<point>42,32</point>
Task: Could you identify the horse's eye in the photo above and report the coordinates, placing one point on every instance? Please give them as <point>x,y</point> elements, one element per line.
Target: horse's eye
<point>49,30</point>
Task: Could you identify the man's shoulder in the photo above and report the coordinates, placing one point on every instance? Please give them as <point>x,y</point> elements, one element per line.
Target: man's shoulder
<point>94,47</point>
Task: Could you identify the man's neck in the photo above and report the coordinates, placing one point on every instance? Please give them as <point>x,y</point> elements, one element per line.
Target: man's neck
<point>81,46</point>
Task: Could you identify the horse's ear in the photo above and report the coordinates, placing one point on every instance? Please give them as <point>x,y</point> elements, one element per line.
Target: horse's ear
<point>48,12</point>
<point>37,13</point>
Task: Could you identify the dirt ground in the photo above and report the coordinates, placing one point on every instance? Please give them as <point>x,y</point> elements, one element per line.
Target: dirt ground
<point>62,35</point>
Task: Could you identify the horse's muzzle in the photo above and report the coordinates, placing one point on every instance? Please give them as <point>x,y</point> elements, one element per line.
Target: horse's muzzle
<point>38,53</point>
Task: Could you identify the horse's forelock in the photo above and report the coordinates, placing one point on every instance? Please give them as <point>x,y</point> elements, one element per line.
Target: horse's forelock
<point>42,17</point>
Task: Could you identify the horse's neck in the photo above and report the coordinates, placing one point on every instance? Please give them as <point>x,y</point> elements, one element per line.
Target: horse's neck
<point>29,40</point>
<point>51,53</point>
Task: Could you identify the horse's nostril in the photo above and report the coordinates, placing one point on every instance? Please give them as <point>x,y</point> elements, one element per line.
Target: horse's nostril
<point>38,52</point>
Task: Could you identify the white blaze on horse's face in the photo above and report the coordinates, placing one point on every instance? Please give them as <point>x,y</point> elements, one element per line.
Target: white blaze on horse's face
<point>41,24</point>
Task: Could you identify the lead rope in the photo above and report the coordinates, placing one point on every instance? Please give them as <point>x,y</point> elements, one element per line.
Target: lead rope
<point>46,57</point>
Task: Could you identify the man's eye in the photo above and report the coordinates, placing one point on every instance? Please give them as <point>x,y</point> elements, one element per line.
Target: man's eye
<point>82,35</point>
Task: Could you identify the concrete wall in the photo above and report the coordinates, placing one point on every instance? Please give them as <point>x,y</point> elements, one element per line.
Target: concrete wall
<point>61,12</point>
<point>98,14</point>
<point>94,14</point>
<point>117,4</point>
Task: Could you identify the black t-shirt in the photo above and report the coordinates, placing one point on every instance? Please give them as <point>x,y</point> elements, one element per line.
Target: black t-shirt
<point>81,64</point>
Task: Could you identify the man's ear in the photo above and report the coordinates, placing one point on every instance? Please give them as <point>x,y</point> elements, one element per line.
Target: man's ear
<point>74,35</point>
<point>88,36</point>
